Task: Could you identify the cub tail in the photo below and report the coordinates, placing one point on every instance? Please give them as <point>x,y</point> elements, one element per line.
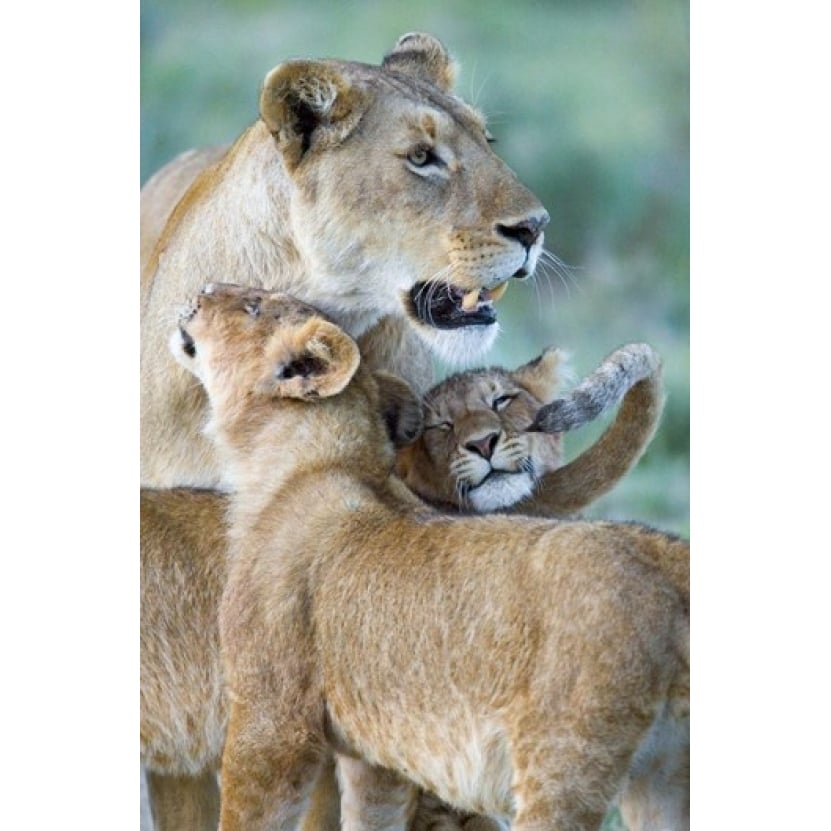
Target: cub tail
<point>633,373</point>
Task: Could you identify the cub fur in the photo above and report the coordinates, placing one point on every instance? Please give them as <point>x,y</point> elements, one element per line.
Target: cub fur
<point>492,438</point>
<point>369,191</point>
<point>562,646</point>
<point>182,537</point>
<point>184,707</point>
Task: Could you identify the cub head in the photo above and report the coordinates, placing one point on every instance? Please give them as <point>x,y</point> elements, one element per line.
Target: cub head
<point>399,204</point>
<point>249,346</point>
<point>474,452</point>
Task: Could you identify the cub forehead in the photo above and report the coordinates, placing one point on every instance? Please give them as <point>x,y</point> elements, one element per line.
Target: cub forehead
<point>227,298</point>
<point>469,390</point>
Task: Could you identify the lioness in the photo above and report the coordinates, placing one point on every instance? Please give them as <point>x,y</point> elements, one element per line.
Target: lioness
<point>371,192</point>
<point>492,438</point>
<point>562,648</point>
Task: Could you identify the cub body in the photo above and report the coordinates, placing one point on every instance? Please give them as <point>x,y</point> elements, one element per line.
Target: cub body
<point>513,666</point>
<point>184,562</point>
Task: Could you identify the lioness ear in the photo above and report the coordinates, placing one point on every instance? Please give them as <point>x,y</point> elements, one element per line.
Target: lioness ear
<point>309,103</point>
<point>314,360</point>
<point>400,408</point>
<point>424,57</point>
<point>544,376</point>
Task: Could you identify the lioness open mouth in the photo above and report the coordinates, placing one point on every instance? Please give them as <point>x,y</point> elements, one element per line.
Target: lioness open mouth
<point>447,307</point>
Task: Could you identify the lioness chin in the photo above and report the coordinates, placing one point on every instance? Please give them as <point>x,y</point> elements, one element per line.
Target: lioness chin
<point>562,647</point>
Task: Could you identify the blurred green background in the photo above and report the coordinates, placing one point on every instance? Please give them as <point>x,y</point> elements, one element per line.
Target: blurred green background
<point>589,102</point>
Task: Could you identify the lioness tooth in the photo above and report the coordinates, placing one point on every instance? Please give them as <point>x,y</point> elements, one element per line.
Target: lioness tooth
<point>470,300</point>
<point>497,291</point>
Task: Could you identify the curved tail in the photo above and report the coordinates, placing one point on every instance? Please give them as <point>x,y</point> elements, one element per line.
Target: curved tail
<point>633,373</point>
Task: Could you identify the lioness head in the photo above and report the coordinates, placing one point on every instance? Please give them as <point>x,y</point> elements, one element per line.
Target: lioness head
<point>395,182</point>
<point>474,452</point>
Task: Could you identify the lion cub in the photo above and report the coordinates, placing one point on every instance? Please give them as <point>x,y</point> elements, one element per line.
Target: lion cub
<point>492,438</point>
<point>482,451</point>
<point>515,667</point>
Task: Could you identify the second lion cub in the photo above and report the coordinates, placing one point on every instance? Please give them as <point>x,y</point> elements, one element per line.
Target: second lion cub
<point>515,667</point>
<point>492,437</point>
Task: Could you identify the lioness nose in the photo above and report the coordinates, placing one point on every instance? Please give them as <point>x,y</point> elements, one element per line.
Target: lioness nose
<point>526,232</point>
<point>484,446</point>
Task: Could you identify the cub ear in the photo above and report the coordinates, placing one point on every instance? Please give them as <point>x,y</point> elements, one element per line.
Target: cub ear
<point>424,57</point>
<point>400,408</point>
<point>309,103</point>
<point>315,360</point>
<point>544,376</point>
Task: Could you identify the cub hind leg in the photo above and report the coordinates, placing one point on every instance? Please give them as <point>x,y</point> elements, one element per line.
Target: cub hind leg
<point>568,766</point>
<point>656,796</point>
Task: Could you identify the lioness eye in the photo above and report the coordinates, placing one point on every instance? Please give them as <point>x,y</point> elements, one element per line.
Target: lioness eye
<point>421,156</point>
<point>439,425</point>
<point>502,402</point>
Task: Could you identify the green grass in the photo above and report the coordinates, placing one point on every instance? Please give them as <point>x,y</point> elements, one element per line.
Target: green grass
<point>613,822</point>
<point>589,103</point>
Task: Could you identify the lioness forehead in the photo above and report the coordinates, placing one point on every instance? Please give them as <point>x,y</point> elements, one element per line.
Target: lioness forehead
<point>416,91</point>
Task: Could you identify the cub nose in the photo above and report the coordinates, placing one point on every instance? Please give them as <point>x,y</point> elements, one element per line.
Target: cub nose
<point>526,232</point>
<point>484,446</point>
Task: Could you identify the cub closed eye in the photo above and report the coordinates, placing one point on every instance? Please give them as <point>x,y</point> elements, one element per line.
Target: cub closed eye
<point>500,403</point>
<point>440,425</point>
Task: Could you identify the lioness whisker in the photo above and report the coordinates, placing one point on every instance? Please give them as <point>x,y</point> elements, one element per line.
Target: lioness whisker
<point>551,263</point>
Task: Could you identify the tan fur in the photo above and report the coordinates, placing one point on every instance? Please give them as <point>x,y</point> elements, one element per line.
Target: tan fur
<point>183,704</point>
<point>476,454</point>
<point>321,197</point>
<point>328,196</point>
<point>513,666</point>
<point>160,195</point>
<point>473,431</point>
